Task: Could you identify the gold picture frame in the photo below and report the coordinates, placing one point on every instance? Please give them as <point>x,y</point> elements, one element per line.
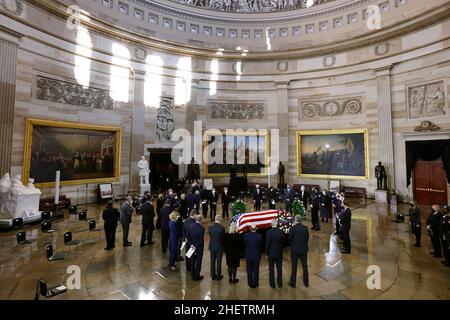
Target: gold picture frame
<point>263,133</point>
<point>329,174</point>
<point>32,123</point>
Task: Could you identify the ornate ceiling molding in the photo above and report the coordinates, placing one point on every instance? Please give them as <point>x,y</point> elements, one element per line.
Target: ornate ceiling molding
<point>210,16</point>
<point>114,31</point>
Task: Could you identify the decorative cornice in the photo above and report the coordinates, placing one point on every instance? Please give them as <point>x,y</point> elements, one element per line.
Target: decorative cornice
<point>420,21</point>
<point>208,16</point>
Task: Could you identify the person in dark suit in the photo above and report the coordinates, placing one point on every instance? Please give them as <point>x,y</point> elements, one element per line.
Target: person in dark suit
<point>257,198</point>
<point>197,200</point>
<point>213,199</point>
<point>324,205</point>
<point>179,224</point>
<point>233,248</point>
<point>253,246</point>
<point>144,198</point>
<point>204,196</point>
<point>225,202</point>
<point>346,220</point>
<point>110,216</point>
<point>165,230</point>
<point>303,196</point>
<point>298,240</point>
<point>288,198</point>
<point>159,205</point>
<point>148,214</point>
<point>433,230</point>
<point>196,236</point>
<point>183,207</point>
<point>186,224</point>
<point>416,224</point>
<point>216,236</point>
<point>272,198</point>
<point>274,250</point>
<point>444,229</point>
<point>125,219</point>
<point>314,201</point>
<point>190,202</point>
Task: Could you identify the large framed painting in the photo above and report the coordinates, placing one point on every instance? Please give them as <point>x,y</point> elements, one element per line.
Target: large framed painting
<point>232,153</point>
<point>82,153</point>
<point>333,154</point>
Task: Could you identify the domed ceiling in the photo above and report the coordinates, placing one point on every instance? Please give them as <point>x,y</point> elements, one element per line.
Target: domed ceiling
<point>252,6</point>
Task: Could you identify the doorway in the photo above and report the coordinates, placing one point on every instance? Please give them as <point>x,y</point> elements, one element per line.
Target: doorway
<point>164,173</point>
<point>430,182</point>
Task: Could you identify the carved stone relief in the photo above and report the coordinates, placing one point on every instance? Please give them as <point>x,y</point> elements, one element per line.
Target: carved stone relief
<point>427,99</point>
<point>74,94</point>
<point>382,48</point>
<point>236,110</point>
<point>14,7</point>
<point>330,107</point>
<point>164,119</point>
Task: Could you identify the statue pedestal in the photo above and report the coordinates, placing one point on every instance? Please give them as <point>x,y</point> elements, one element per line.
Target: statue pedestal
<point>142,188</point>
<point>381,196</point>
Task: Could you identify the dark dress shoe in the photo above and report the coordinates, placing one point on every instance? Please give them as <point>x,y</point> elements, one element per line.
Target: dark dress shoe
<point>417,245</point>
<point>291,285</point>
<point>180,259</point>
<point>439,256</point>
<point>152,242</point>
<point>445,263</point>
<point>313,228</point>
<point>218,278</point>
<point>306,284</point>
<point>113,246</point>
<point>346,252</point>
<point>214,277</point>
<point>230,280</point>
<point>318,229</point>
<point>107,248</point>
<point>127,244</point>
<point>235,280</point>
<point>142,245</point>
<point>336,233</point>
<point>199,278</point>
<point>273,287</point>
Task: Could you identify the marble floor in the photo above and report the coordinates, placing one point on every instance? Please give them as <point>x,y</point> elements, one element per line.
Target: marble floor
<point>407,272</point>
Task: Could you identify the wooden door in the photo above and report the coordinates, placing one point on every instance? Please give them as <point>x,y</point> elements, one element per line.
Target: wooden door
<point>430,183</point>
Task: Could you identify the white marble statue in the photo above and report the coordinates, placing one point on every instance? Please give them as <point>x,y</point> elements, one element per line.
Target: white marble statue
<point>143,171</point>
<point>17,200</point>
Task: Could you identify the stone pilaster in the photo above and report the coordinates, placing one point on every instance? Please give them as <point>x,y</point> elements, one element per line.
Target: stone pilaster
<point>137,130</point>
<point>8,62</point>
<point>283,127</point>
<point>385,135</point>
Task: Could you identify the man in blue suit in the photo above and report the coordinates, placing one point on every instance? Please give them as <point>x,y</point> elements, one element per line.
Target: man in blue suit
<point>298,239</point>
<point>165,231</point>
<point>216,235</point>
<point>289,197</point>
<point>126,212</point>
<point>190,201</point>
<point>345,219</point>
<point>186,225</point>
<point>274,250</point>
<point>196,236</point>
<point>257,198</point>
<point>253,246</point>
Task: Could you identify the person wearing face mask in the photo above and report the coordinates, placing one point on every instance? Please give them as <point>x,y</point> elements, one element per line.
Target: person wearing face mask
<point>257,198</point>
<point>288,198</point>
<point>204,196</point>
<point>433,230</point>
<point>415,218</point>
<point>213,199</point>
<point>324,205</point>
<point>225,202</point>
<point>272,198</point>
<point>314,201</point>
<point>303,196</point>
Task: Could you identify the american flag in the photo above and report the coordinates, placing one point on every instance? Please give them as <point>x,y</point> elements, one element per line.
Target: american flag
<point>262,219</point>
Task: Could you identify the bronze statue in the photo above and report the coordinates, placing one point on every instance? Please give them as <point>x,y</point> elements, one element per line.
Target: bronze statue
<point>193,170</point>
<point>380,174</point>
<point>281,172</point>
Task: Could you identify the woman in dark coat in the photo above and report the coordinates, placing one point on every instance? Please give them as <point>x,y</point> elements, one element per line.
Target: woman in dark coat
<point>173,240</point>
<point>159,204</point>
<point>233,248</point>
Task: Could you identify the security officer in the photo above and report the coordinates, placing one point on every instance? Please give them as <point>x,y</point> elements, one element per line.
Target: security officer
<point>444,229</point>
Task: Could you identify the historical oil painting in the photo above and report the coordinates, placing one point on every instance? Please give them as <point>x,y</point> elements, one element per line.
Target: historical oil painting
<point>82,153</point>
<point>333,154</point>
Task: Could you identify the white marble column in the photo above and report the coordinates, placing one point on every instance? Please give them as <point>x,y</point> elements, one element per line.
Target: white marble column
<point>385,135</point>
<point>8,62</point>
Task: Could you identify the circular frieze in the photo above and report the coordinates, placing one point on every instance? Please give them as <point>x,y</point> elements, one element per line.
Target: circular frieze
<point>282,66</point>
<point>353,106</point>
<point>382,48</point>
<point>331,108</point>
<point>311,109</point>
